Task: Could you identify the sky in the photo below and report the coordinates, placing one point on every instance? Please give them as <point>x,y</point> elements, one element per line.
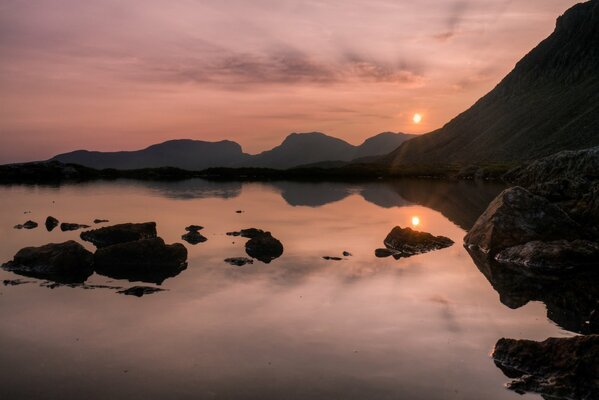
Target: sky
<point>121,75</point>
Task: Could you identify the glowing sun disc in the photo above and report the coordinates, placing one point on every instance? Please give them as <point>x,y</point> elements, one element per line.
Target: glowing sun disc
<point>415,221</point>
<point>417,118</point>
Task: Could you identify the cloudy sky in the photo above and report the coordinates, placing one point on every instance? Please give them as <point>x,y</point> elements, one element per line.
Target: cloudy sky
<point>113,74</point>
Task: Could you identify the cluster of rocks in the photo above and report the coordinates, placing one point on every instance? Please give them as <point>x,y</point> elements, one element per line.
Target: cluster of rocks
<point>406,242</point>
<point>261,245</point>
<point>126,251</point>
<point>193,236</point>
<point>52,223</point>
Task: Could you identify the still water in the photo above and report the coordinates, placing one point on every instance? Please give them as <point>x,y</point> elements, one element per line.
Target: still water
<point>300,327</point>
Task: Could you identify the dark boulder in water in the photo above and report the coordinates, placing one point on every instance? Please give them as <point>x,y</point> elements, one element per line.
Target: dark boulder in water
<point>67,226</point>
<point>194,228</point>
<point>139,291</point>
<point>249,233</point>
<point>559,254</point>
<point>121,233</point>
<point>100,221</point>
<point>27,225</point>
<point>239,261</point>
<point>330,258</point>
<point>194,237</point>
<point>264,247</point>
<point>51,223</point>
<point>406,242</point>
<point>67,262</point>
<point>517,217</point>
<point>146,260</point>
<point>564,368</point>
<point>384,253</point>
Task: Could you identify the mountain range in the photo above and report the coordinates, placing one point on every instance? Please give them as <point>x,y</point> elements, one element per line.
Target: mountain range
<point>549,102</point>
<point>297,149</point>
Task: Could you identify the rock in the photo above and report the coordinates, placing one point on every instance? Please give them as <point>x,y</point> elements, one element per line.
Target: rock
<point>194,237</point>
<point>14,282</point>
<point>61,262</point>
<point>565,368</point>
<point>329,258</point>
<point>384,253</point>
<point>121,233</point>
<point>239,261</point>
<point>406,242</point>
<point>146,260</point>
<point>517,217</point>
<point>347,254</point>
<point>27,225</point>
<point>100,221</point>
<point>239,211</point>
<point>560,254</point>
<point>264,247</point>
<point>51,223</point>
<point>194,228</point>
<point>67,226</point>
<point>248,233</point>
<point>140,291</point>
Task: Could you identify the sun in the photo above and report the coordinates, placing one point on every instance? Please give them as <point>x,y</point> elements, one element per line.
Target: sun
<point>417,118</point>
<point>415,221</point>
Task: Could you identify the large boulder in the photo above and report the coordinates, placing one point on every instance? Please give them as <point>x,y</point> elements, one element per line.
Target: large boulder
<point>67,262</point>
<point>517,217</point>
<point>559,255</point>
<point>264,247</point>
<point>566,368</point>
<point>146,260</point>
<point>406,242</point>
<point>51,223</point>
<point>121,233</point>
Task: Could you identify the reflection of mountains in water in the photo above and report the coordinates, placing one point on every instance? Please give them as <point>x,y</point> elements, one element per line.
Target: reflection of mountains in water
<point>461,202</point>
<point>572,299</point>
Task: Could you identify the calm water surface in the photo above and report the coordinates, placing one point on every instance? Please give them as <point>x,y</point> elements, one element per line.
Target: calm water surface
<point>297,328</point>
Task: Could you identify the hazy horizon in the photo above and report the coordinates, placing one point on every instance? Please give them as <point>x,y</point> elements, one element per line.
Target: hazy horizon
<point>107,76</point>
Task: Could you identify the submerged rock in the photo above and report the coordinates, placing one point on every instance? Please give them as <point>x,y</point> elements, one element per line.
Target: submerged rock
<point>347,254</point>
<point>329,258</point>
<point>121,233</point>
<point>140,291</point>
<point>406,242</point>
<point>560,254</point>
<point>100,221</point>
<point>517,217</point>
<point>384,253</point>
<point>194,237</point>
<point>61,262</point>
<point>67,226</point>
<point>194,228</point>
<point>27,225</point>
<point>565,368</point>
<point>239,261</point>
<point>51,223</point>
<point>249,233</point>
<point>146,260</point>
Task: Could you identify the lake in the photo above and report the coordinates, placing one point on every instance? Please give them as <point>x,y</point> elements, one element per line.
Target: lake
<point>300,327</point>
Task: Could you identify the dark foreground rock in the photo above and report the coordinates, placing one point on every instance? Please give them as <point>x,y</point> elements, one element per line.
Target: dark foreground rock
<point>406,242</point>
<point>566,368</point>
<point>51,223</point>
<point>146,260</point>
<point>67,226</point>
<point>60,262</point>
<point>560,254</point>
<point>194,237</point>
<point>27,225</point>
<point>139,291</point>
<point>121,233</point>
<point>264,247</point>
<point>517,217</point>
<point>239,261</point>
<point>571,298</point>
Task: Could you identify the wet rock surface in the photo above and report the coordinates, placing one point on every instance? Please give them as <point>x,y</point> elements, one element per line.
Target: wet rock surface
<point>565,368</point>
<point>146,260</point>
<point>560,254</point>
<point>249,233</point>
<point>27,225</point>
<point>517,217</point>
<point>384,253</point>
<point>264,247</point>
<point>121,233</point>
<point>140,291</point>
<point>194,237</point>
<point>61,262</point>
<point>406,242</point>
<point>51,223</point>
<point>332,258</point>
<point>239,261</point>
<point>194,228</point>
<point>68,226</point>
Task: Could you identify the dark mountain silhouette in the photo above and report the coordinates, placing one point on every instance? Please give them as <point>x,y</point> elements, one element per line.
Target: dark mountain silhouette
<point>297,149</point>
<point>548,103</point>
<point>184,153</point>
